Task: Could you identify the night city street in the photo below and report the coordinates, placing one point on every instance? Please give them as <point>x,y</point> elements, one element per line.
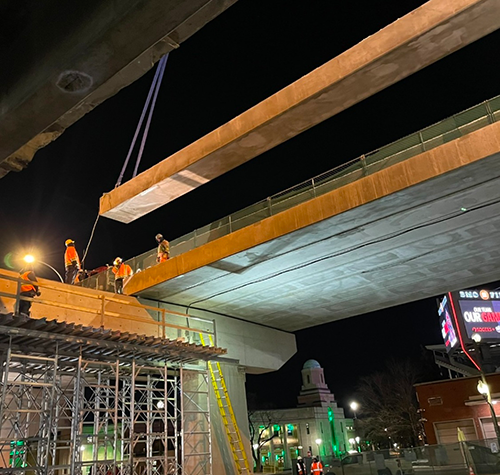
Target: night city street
<point>250,237</point>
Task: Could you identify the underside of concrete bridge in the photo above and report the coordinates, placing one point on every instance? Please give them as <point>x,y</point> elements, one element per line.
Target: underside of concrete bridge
<point>427,34</point>
<point>62,59</point>
<point>417,228</point>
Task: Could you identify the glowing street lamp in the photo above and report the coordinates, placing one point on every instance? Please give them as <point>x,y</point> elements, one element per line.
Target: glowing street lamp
<point>484,390</point>
<point>318,443</point>
<point>354,407</point>
<point>30,259</point>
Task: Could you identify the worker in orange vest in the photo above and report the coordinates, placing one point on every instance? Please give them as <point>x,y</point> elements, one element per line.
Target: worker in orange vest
<point>163,252</point>
<point>71,262</point>
<point>316,467</point>
<point>27,290</point>
<point>122,271</point>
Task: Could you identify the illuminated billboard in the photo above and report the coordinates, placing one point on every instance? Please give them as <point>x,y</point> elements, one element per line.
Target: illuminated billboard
<point>479,311</point>
<point>465,313</point>
<point>446,323</point>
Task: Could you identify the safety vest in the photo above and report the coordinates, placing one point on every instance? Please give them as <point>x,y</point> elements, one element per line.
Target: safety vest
<point>301,469</point>
<point>316,468</point>
<point>123,271</point>
<point>27,287</point>
<point>71,257</point>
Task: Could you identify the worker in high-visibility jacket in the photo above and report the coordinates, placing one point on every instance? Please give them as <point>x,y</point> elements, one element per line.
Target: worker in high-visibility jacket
<point>316,467</point>
<point>71,262</point>
<point>28,289</point>
<point>163,252</point>
<point>122,274</point>
<point>301,466</point>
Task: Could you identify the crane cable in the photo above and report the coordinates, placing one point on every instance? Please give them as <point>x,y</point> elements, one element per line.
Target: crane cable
<point>152,95</point>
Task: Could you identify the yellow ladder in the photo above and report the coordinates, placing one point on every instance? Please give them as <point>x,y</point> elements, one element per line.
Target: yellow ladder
<point>227,413</point>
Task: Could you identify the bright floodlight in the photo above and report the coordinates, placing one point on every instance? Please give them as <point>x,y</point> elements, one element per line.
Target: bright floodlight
<point>318,441</point>
<point>160,404</point>
<point>255,446</point>
<point>29,258</point>
<point>476,337</point>
<point>357,439</point>
<point>483,388</point>
<point>354,405</point>
<point>351,441</point>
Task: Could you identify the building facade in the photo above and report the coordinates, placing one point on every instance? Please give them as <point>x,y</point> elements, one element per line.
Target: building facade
<point>447,405</point>
<point>316,427</point>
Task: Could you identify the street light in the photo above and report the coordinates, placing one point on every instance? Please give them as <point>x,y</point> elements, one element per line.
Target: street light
<point>484,390</point>
<point>318,442</point>
<point>30,259</point>
<point>354,407</point>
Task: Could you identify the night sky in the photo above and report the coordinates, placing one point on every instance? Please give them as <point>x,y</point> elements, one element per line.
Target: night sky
<point>248,53</point>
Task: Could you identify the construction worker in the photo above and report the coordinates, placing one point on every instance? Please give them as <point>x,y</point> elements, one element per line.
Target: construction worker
<point>71,262</point>
<point>301,466</point>
<point>316,466</point>
<point>27,290</point>
<point>122,272</point>
<point>163,252</point>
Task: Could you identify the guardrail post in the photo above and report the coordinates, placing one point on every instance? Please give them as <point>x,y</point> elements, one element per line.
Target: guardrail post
<point>163,322</point>
<point>103,298</point>
<point>18,297</point>
<point>421,137</point>
<point>313,187</point>
<point>362,159</point>
<point>269,206</point>
<point>214,333</point>
<point>230,224</point>
<point>491,117</point>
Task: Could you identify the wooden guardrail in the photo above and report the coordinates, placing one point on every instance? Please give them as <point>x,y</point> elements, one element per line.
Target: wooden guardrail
<point>95,308</point>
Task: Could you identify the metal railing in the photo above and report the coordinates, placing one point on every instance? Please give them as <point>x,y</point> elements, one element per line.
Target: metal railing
<point>106,311</point>
<point>424,140</point>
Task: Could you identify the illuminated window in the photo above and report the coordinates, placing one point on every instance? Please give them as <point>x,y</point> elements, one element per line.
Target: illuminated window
<point>307,428</point>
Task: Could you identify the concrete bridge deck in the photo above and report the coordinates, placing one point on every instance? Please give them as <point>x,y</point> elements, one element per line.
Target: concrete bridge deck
<point>427,34</point>
<point>406,229</point>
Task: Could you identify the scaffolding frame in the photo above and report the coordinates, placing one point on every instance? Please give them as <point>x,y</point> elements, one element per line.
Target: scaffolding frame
<point>67,413</point>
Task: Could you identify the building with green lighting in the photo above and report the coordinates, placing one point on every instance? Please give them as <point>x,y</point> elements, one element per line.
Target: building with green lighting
<point>317,425</point>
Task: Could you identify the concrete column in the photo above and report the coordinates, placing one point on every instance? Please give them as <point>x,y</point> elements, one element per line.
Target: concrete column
<point>223,463</point>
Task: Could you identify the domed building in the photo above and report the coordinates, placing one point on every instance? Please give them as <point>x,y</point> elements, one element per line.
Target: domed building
<point>317,426</point>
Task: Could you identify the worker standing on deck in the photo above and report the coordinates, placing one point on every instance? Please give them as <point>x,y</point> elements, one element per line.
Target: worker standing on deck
<point>163,252</point>
<point>27,290</point>
<point>122,273</point>
<point>71,262</point>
